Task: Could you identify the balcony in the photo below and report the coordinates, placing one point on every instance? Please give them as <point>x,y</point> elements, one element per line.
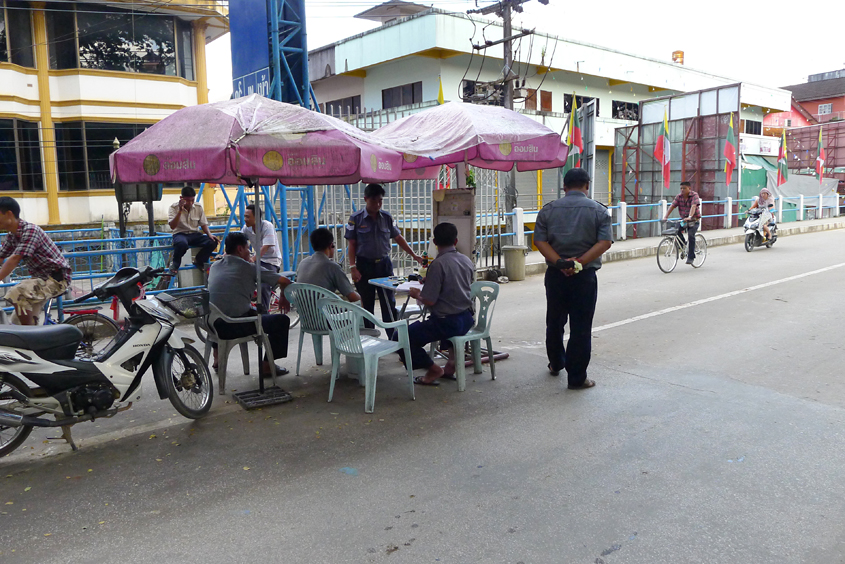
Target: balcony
<point>833,116</point>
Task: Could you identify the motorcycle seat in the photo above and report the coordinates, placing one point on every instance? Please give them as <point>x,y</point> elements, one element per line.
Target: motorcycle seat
<point>50,342</point>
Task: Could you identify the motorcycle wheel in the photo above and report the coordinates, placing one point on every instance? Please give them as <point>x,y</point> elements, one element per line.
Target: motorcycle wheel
<point>749,242</point>
<point>12,437</point>
<point>189,385</point>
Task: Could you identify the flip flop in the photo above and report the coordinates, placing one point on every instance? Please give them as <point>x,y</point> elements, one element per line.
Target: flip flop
<point>419,380</point>
<point>449,377</point>
<point>587,384</point>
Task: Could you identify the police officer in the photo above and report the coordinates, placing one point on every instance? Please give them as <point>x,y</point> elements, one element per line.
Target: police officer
<point>368,233</point>
<point>572,228</point>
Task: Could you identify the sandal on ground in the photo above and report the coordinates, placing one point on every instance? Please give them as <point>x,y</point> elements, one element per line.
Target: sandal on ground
<point>419,381</point>
<point>587,384</point>
<point>449,377</point>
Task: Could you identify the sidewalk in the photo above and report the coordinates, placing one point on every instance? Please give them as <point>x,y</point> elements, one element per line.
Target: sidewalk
<point>647,246</point>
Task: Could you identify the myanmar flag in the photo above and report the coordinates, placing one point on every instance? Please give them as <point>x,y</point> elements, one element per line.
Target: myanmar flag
<point>730,153</point>
<point>661,149</point>
<point>820,159</point>
<point>783,170</point>
<point>573,139</point>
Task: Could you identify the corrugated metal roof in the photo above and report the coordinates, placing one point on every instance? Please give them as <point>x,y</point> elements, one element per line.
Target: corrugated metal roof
<point>818,90</point>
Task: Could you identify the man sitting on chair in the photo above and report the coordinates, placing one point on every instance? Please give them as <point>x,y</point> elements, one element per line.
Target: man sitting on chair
<point>320,270</point>
<point>186,218</point>
<point>231,284</point>
<point>447,293</point>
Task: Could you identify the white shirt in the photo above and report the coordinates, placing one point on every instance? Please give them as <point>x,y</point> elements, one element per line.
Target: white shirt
<point>268,237</point>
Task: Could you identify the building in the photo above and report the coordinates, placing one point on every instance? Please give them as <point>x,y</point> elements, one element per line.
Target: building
<point>823,95</point>
<point>397,68</point>
<point>75,77</point>
<point>797,116</point>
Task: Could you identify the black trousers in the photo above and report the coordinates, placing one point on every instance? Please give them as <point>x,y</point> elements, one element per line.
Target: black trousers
<point>276,327</point>
<point>368,270</point>
<point>573,299</point>
<point>267,289</point>
<point>183,241</point>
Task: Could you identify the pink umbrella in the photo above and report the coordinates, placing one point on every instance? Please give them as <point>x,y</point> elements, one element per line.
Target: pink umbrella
<point>258,139</point>
<point>488,137</point>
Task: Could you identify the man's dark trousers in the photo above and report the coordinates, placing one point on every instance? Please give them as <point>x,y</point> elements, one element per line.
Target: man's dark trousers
<point>571,298</point>
<point>267,289</point>
<point>275,326</point>
<point>434,329</point>
<point>692,229</point>
<point>183,241</point>
<point>369,269</point>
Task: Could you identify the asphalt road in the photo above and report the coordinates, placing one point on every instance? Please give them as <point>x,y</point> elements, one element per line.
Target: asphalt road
<point>714,435</point>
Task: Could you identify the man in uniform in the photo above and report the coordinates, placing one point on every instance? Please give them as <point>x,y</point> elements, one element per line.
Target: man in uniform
<point>267,252</point>
<point>573,228</point>
<point>185,218</point>
<point>689,208</point>
<point>368,233</point>
<point>320,270</point>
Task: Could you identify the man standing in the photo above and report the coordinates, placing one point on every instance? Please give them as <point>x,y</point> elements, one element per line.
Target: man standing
<point>689,208</point>
<point>448,294</point>
<point>267,253</point>
<point>573,228</point>
<point>48,269</point>
<point>320,270</point>
<point>231,282</point>
<point>368,233</point>
<point>185,218</point>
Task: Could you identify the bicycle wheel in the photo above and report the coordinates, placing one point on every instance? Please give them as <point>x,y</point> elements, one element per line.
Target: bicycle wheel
<point>97,332</point>
<point>274,307</point>
<point>667,255</point>
<point>12,437</point>
<point>700,250</point>
<point>189,385</point>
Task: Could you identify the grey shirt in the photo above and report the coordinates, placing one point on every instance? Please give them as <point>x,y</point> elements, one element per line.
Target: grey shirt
<point>573,224</point>
<point>372,236</point>
<point>448,283</point>
<point>320,270</point>
<point>231,283</point>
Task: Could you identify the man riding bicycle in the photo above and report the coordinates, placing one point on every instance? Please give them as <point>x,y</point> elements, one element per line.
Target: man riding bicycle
<point>689,208</point>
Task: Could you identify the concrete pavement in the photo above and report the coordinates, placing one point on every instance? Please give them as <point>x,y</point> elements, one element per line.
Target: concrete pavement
<point>714,435</point>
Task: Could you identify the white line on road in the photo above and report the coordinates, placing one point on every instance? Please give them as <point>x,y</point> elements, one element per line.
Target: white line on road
<point>714,298</point>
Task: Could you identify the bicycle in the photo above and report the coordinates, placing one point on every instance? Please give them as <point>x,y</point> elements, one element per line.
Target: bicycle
<point>674,245</point>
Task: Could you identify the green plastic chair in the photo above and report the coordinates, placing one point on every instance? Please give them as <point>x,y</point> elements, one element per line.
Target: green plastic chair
<point>345,320</point>
<point>311,319</point>
<point>485,293</point>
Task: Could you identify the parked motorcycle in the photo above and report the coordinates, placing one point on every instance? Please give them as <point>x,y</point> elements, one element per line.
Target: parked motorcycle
<point>754,235</point>
<point>42,385</point>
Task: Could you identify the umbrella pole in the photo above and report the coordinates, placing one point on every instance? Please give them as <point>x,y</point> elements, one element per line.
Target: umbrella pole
<point>259,227</point>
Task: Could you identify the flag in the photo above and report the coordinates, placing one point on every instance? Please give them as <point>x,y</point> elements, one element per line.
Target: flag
<point>820,158</point>
<point>573,139</point>
<point>783,170</point>
<point>440,98</point>
<point>730,153</point>
<point>661,149</point>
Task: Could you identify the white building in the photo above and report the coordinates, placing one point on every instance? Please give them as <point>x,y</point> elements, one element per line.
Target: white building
<point>397,68</point>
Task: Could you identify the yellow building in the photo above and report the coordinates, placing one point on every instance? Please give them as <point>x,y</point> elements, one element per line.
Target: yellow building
<point>75,76</point>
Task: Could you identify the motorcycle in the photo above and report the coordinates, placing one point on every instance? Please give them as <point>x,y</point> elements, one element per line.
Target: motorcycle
<point>754,235</point>
<point>43,385</point>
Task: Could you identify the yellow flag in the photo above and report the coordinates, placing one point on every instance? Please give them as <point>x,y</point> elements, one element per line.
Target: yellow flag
<point>440,99</point>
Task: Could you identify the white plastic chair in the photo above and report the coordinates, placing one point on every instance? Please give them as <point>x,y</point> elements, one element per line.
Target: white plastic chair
<point>485,293</point>
<point>345,319</point>
<point>311,319</point>
<point>225,345</point>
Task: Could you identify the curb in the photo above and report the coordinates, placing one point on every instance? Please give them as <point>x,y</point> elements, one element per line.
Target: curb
<point>713,240</point>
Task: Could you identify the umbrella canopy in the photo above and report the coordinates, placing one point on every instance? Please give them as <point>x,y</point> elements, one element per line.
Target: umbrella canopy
<point>259,139</point>
<point>488,137</point>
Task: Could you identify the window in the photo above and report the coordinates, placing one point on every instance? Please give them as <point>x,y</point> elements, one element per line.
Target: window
<point>20,156</point>
<point>154,45</point>
<point>753,127</point>
<point>581,100</point>
<point>61,31</point>
<point>344,106</point>
<point>83,151</point>
<point>19,35</point>
<point>545,101</point>
<point>4,47</point>
<point>789,123</point>
<point>185,46</point>
<point>401,95</point>
<point>487,93</point>
<point>626,110</point>
<point>825,109</point>
<point>530,99</point>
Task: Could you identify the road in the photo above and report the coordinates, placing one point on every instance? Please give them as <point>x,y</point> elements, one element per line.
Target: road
<point>714,435</point>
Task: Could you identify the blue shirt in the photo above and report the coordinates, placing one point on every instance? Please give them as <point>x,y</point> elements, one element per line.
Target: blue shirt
<point>372,236</point>
<point>573,224</point>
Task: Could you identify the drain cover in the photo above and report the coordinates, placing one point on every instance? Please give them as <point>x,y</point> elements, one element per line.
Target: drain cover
<point>254,398</point>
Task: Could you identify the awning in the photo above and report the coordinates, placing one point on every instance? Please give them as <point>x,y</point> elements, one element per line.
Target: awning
<point>759,161</point>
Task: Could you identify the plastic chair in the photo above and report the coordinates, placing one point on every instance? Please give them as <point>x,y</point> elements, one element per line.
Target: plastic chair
<point>486,294</point>
<point>225,345</point>
<point>345,319</point>
<point>311,319</point>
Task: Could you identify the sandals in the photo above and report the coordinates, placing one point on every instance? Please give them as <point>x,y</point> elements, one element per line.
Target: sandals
<point>587,384</point>
<point>420,382</point>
